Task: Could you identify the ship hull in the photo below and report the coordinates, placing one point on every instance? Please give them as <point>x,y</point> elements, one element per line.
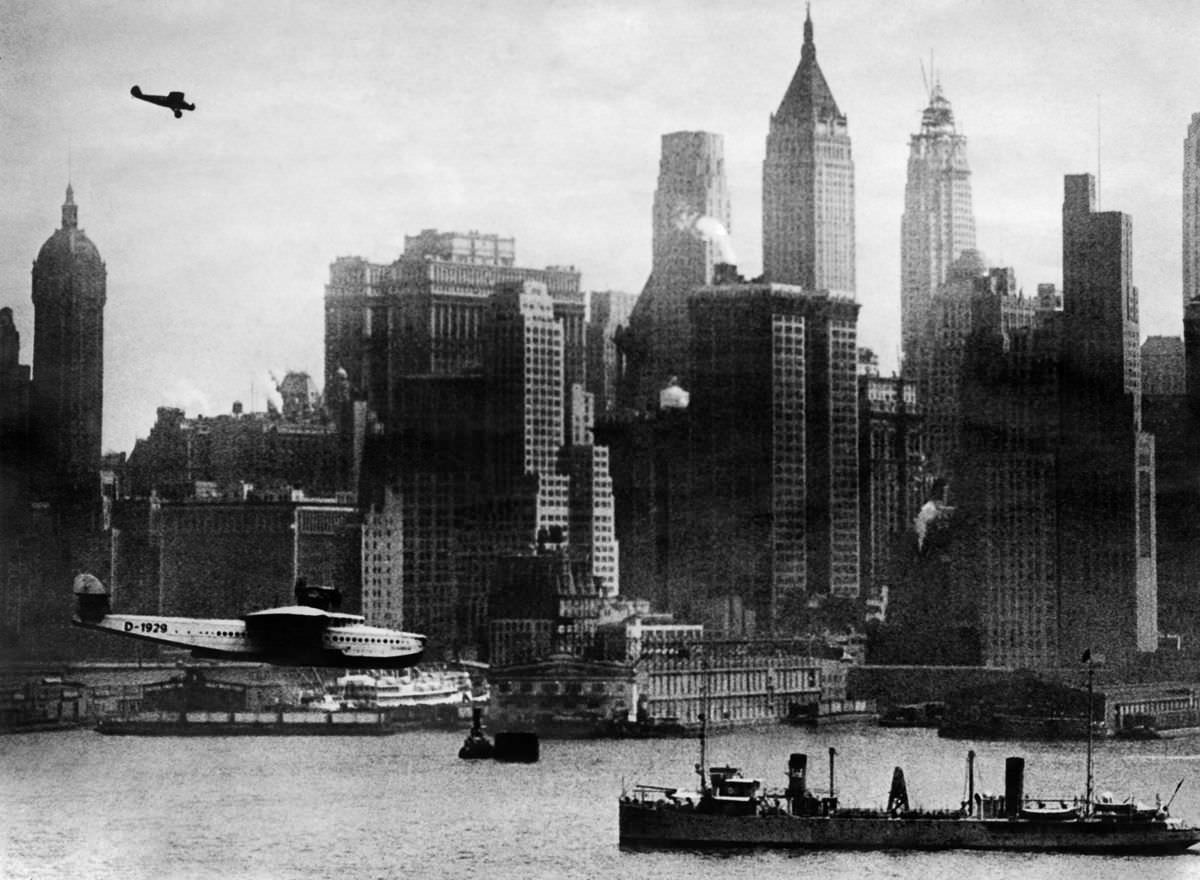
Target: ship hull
<point>134,728</point>
<point>280,723</point>
<point>647,825</point>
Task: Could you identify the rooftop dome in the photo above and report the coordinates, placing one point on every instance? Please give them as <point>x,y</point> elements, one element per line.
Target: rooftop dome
<point>68,243</point>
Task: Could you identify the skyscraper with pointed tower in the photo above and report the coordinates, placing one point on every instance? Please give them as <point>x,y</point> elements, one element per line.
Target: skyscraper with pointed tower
<point>808,185</point>
<point>52,523</point>
<point>69,282</point>
<point>938,224</point>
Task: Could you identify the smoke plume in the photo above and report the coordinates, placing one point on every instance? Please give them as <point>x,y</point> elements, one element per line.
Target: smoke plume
<point>707,229</point>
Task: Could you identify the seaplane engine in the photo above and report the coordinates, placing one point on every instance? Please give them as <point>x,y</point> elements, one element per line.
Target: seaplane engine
<point>91,598</point>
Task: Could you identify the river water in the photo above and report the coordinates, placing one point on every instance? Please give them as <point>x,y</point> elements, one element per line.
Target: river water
<point>81,805</point>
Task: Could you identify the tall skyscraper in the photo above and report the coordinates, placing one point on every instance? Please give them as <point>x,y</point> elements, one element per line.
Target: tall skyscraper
<point>1164,368</point>
<point>423,315</point>
<point>476,369</point>
<point>808,185</point>
<point>610,311</point>
<point>69,284</point>
<point>1106,469</point>
<point>15,388</point>
<point>767,489</point>
<point>1006,443</point>
<point>1057,476</point>
<point>891,472</point>
<point>938,224</point>
<point>1191,353</point>
<point>938,372</point>
<point>970,294</point>
<point>1191,211</point>
<point>523,364</point>
<point>537,484</point>
<point>691,219</point>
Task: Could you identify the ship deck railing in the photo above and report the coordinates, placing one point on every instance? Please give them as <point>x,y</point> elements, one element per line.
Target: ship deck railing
<point>661,795</point>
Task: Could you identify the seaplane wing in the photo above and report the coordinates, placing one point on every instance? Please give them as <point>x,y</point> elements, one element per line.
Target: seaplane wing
<point>296,635</point>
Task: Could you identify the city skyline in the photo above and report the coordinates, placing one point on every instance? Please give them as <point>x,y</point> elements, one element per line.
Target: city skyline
<point>218,229</point>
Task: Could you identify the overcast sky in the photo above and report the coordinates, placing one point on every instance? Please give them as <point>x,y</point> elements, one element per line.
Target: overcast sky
<point>325,129</point>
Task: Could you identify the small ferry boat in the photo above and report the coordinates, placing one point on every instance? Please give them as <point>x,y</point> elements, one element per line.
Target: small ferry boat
<point>413,687</point>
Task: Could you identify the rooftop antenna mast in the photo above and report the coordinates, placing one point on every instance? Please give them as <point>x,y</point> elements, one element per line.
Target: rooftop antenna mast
<point>930,80</point>
<point>1098,154</point>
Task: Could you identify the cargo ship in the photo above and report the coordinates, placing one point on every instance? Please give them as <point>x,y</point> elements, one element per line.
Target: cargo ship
<point>730,810</point>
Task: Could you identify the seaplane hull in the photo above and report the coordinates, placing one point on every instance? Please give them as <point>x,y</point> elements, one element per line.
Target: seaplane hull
<point>295,635</point>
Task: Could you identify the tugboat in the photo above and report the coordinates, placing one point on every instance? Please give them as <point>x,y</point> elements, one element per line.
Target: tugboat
<point>476,745</point>
<point>730,810</point>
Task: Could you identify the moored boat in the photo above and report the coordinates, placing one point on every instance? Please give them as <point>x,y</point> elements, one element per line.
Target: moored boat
<point>476,746</point>
<point>730,810</point>
<point>412,687</point>
<point>285,722</point>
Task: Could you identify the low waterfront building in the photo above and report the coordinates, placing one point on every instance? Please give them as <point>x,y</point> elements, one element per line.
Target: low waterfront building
<point>661,682</point>
<point>562,696</point>
<point>736,682</point>
<point>45,703</point>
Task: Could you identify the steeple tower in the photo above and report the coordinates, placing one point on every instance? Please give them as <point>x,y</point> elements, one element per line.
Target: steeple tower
<point>808,184</point>
<point>70,215</point>
<point>938,224</point>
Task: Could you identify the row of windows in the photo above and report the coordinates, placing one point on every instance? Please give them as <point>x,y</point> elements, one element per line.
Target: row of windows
<point>573,688</point>
<point>363,640</point>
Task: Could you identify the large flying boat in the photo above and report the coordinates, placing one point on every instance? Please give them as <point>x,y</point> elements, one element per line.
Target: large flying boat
<point>310,633</point>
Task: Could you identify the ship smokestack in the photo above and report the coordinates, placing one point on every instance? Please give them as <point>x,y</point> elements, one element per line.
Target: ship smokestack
<point>797,775</point>
<point>803,802</point>
<point>971,782</point>
<point>898,796</point>
<point>1014,785</point>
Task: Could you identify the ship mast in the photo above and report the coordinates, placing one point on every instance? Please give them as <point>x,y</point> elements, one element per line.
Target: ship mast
<point>702,767</point>
<point>1088,792</point>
